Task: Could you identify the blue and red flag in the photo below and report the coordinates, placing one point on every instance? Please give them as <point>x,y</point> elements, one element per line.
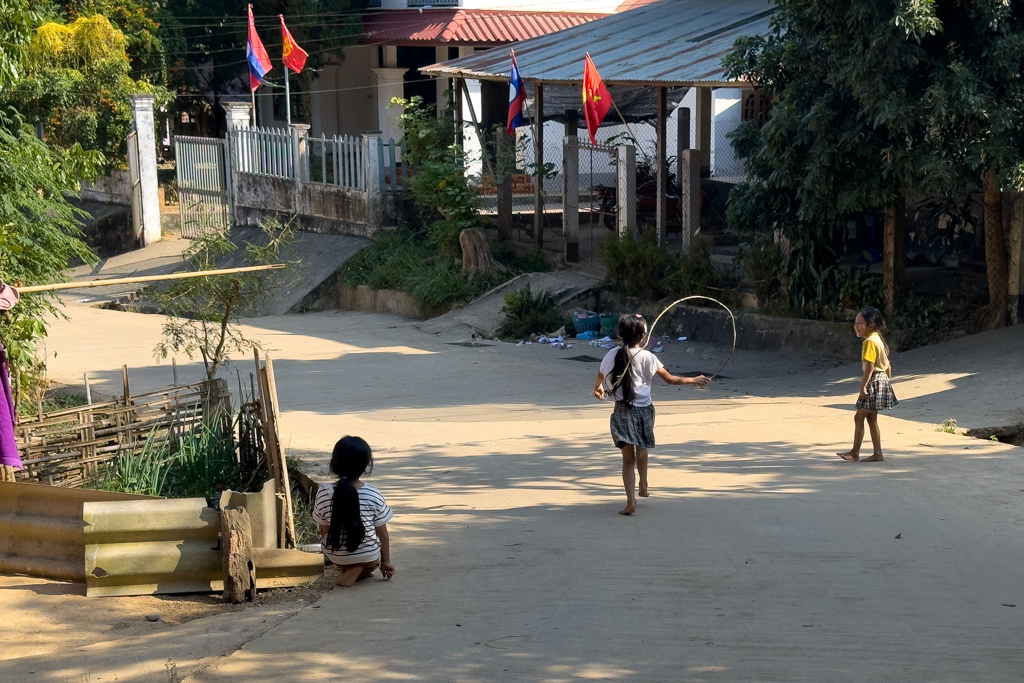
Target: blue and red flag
<point>516,97</point>
<point>256,56</point>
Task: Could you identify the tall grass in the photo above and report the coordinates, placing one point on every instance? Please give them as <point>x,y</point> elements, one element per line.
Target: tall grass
<point>199,463</point>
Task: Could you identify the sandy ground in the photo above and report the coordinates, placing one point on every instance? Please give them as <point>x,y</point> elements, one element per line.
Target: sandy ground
<point>760,555</point>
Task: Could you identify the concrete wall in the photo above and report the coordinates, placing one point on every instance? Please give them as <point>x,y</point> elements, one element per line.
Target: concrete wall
<point>336,295</point>
<point>754,331</point>
<point>111,189</point>
<point>320,208</point>
<point>351,108</point>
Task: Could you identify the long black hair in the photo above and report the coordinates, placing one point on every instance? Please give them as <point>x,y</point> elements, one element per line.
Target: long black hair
<point>631,329</point>
<point>351,459</point>
<point>873,319</point>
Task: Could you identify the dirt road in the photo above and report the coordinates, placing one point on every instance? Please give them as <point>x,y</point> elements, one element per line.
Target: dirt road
<point>760,555</point>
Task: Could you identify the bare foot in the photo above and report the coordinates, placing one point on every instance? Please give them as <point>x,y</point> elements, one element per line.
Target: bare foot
<point>347,578</point>
<point>849,455</point>
<point>875,457</point>
<point>643,492</point>
<point>629,509</point>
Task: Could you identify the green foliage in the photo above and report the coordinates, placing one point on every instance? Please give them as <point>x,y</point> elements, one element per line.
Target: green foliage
<point>137,20</point>
<point>643,269</point>
<point>17,20</point>
<point>918,324</point>
<point>52,403</point>
<point>532,262</point>
<point>195,465</point>
<point>637,267</point>
<point>947,426</point>
<point>440,184</point>
<point>530,313</point>
<point>78,85</point>
<point>413,266</point>
<point>205,312</point>
<point>39,235</point>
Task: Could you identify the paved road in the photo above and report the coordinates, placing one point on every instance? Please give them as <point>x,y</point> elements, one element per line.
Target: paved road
<point>759,557</point>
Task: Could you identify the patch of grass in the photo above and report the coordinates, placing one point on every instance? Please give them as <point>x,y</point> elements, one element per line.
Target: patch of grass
<point>51,403</point>
<point>306,530</point>
<point>197,464</point>
<point>416,267</point>
<point>947,426</point>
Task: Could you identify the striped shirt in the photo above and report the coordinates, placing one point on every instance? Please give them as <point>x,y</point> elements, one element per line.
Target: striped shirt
<point>374,512</point>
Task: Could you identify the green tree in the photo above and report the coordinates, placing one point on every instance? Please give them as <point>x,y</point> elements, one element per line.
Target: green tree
<point>138,21</point>
<point>878,101</point>
<point>845,136</point>
<point>38,229</point>
<point>205,312</point>
<point>77,87</point>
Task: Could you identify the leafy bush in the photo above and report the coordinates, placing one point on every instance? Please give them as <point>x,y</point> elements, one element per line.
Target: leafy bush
<point>692,272</point>
<point>532,262</point>
<point>948,426</point>
<point>637,267</point>
<point>918,323</point>
<point>440,183</point>
<point>529,313</point>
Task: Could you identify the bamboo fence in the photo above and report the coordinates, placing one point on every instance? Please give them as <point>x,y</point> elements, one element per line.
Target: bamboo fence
<point>64,447</point>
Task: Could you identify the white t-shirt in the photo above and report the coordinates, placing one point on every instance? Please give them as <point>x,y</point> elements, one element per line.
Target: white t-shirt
<point>643,368</point>
<point>374,513</point>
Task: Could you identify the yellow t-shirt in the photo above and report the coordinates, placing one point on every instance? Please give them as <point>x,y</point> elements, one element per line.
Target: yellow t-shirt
<point>873,351</point>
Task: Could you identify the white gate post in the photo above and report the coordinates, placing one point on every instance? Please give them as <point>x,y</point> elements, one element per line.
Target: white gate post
<point>626,190</point>
<point>238,116</point>
<point>300,147</point>
<point>145,128</point>
<point>372,174</point>
<point>570,197</point>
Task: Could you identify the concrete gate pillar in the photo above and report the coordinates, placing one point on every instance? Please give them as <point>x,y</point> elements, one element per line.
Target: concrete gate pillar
<point>626,190</point>
<point>688,177</point>
<point>702,115</point>
<point>238,116</point>
<point>145,129</point>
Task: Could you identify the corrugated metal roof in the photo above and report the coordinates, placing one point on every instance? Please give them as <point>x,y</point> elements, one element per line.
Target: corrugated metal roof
<point>465,26</point>
<point>672,42</point>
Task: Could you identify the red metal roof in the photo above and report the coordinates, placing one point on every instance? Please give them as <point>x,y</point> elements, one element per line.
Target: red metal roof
<point>465,26</point>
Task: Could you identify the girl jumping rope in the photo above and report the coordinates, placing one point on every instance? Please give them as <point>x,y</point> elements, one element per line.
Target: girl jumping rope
<point>353,516</point>
<point>875,388</point>
<point>626,373</point>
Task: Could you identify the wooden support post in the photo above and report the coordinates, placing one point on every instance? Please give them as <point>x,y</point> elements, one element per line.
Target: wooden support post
<point>288,518</point>
<point>236,555</point>
<point>661,170</point>
<point>894,254</point>
<point>174,370</point>
<point>460,122</point>
<point>571,196</point>
<point>688,176</point>
<point>538,183</point>
<point>1016,258</point>
<point>505,153</point>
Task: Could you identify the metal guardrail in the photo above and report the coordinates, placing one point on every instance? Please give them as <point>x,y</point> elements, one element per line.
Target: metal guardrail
<point>41,528</point>
<point>122,544</point>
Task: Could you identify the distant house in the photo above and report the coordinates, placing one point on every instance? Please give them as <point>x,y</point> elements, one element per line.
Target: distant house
<point>350,95</point>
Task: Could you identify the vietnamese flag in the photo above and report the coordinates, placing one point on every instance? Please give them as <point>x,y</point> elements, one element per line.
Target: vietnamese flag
<point>293,56</point>
<point>596,98</point>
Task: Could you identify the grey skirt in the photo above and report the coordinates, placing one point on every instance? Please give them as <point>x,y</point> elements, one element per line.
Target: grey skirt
<point>633,426</point>
<point>880,395</point>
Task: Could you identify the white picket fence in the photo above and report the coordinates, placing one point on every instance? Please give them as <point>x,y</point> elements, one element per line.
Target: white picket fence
<point>346,161</point>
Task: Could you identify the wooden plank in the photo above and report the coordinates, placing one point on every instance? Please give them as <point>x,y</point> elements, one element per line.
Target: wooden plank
<point>281,460</point>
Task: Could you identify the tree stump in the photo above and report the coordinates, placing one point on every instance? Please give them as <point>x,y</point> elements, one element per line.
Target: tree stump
<point>477,259</point>
<point>236,555</point>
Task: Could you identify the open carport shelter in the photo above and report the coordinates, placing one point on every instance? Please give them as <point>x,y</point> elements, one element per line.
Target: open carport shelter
<point>663,46</point>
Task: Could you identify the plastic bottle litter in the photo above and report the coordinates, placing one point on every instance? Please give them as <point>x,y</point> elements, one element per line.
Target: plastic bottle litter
<point>682,339</point>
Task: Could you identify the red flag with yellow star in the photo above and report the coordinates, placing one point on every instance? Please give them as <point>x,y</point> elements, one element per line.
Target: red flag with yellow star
<point>596,98</point>
<point>293,56</point>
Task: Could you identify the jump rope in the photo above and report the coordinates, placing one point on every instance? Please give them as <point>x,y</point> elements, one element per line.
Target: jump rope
<point>650,335</point>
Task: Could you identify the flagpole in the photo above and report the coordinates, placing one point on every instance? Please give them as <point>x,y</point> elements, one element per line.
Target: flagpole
<point>287,96</point>
<point>253,93</point>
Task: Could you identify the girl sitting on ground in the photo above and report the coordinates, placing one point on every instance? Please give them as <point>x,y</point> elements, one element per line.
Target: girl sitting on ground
<point>353,516</point>
<point>875,388</point>
<point>626,373</point>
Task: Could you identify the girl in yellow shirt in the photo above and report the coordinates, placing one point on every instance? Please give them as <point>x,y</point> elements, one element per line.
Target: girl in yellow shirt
<point>875,388</point>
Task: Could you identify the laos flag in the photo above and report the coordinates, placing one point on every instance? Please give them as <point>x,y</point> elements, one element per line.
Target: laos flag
<point>256,56</point>
<point>516,98</point>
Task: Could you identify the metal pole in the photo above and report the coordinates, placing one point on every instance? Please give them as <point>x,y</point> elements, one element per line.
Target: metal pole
<point>287,96</point>
<point>253,93</point>
<point>538,138</point>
